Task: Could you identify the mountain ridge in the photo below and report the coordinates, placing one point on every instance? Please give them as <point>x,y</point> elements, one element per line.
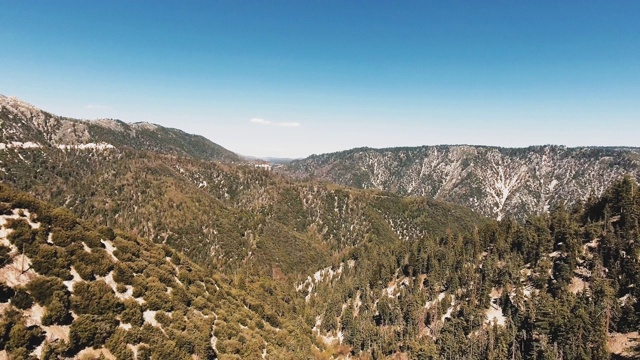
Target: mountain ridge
<point>495,181</point>
<point>23,123</point>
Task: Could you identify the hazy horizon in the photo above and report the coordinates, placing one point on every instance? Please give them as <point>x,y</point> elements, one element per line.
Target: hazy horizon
<point>290,79</point>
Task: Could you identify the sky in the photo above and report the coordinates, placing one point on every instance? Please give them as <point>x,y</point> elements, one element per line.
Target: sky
<point>295,78</point>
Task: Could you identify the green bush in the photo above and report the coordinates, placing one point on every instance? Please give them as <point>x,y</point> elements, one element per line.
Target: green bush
<point>64,238</point>
<point>6,293</point>
<point>139,286</point>
<point>167,350</point>
<point>163,273</point>
<point>117,344</point>
<point>158,300</point>
<point>21,299</point>
<point>144,353</point>
<point>137,266</point>
<point>22,236</point>
<point>24,201</point>
<point>5,209</point>
<point>91,330</point>
<point>63,218</point>
<point>54,351</point>
<point>42,289</point>
<point>4,255</point>
<point>132,313</point>
<point>52,261</point>
<point>95,298</point>
<point>22,337</point>
<point>122,273</point>
<point>92,239</point>
<point>57,310</point>
<point>180,298</point>
<point>96,263</point>
<point>164,319</point>
<point>126,250</point>
<point>121,289</point>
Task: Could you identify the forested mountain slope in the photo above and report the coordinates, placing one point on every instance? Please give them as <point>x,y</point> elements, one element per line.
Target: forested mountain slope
<point>493,181</point>
<point>68,289</point>
<point>226,216</point>
<point>23,125</point>
<point>561,285</point>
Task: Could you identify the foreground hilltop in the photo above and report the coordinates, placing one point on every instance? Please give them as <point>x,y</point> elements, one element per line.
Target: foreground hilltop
<point>494,181</point>
<point>72,290</point>
<point>24,125</point>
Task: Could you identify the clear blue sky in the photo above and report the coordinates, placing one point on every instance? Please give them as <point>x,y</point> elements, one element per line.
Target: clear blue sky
<point>292,78</point>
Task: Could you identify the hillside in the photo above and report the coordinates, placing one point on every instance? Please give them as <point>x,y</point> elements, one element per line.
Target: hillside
<point>71,290</point>
<point>25,126</point>
<point>558,285</point>
<point>496,182</point>
<point>223,216</point>
<point>561,285</point>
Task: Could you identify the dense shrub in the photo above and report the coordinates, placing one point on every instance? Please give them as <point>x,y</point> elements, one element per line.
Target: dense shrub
<point>21,299</point>
<point>91,330</point>
<point>158,300</point>
<point>96,263</point>
<point>106,233</point>
<point>57,310</point>
<point>95,298</point>
<point>22,236</point>
<point>6,293</point>
<point>42,289</point>
<point>4,255</point>
<point>167,350</point>
<point>52,261</point>
<point>126,250</point>
<point>144,353</point>
<point>54,351</point>
<point>92,239</point>
<point>121,289</point>
<point>24,201</point>
<point>23,337</point>
<point>122,273</point>
<point>63,218</point>
<point>65,238</point>
<point>5,209</point>
<point>163,273</point>
<point>132,313</point>
<point>180,298</point>
<point>164,319</point>
<point>117,344</point>
<point>138,266</point>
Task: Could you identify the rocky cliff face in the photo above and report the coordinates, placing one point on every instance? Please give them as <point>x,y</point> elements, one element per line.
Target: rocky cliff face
<point>493,181</point>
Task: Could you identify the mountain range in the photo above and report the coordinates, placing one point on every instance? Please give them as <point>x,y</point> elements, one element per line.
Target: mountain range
<point>24,125</point>
<point>160,244</point>
<point>493,181</point>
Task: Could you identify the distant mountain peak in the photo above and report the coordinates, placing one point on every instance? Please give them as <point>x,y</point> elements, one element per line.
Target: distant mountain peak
<point>25,123</point>
<point>494,181</point>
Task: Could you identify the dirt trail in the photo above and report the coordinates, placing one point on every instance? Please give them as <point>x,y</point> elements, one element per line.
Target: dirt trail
<point>620,344</point>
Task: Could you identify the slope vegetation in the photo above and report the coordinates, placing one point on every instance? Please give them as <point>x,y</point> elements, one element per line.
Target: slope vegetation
<point>557,286</point>
<point>68,289</point>
<point>496,182</point>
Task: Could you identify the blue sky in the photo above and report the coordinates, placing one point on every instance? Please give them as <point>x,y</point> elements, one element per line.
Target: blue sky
<point>292,78</point>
